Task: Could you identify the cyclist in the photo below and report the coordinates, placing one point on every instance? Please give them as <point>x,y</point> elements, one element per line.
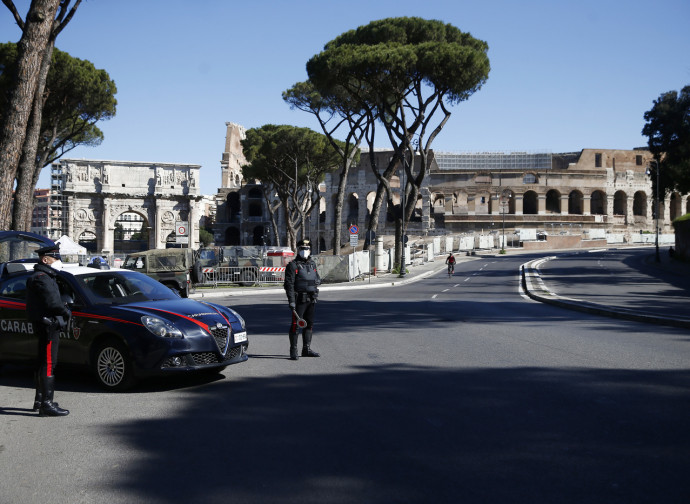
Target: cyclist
<point>450,261</point>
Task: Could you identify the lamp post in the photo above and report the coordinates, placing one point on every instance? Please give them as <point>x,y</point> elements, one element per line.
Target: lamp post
<point>656,241</point>
<point>402,226</point>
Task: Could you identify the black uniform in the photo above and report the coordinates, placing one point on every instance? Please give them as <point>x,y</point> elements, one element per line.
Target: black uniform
<point>302,288</point>
<point>48,315</point>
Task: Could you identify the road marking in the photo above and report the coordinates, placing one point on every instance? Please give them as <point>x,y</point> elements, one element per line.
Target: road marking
<point>466,279</point>
<point>434,296</point>
<point>456,285</point>
<point>445,290</point>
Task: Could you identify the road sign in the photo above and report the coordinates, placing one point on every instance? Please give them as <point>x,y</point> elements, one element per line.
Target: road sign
<point>181,228</point>
<point>181,232</point>
<point>353,240</point>
<point>354,230</point>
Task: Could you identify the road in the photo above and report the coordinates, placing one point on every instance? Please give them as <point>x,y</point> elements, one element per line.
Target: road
<point>445,391</point>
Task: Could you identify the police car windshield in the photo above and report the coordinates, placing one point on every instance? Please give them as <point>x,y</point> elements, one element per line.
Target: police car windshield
<point>118,288</point>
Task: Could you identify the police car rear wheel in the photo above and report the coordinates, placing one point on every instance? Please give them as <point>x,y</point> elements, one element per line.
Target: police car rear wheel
<point>112,366</point>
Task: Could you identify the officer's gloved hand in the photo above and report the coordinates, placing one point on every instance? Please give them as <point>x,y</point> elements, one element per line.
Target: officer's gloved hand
<point>292,306</point>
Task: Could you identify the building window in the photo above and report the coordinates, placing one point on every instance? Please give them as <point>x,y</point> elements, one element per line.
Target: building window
<point>597,160</point>
<point>529,178</point>
<point>638,160</point>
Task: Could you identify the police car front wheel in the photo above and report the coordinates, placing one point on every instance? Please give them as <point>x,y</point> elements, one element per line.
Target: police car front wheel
<point>112,366</point>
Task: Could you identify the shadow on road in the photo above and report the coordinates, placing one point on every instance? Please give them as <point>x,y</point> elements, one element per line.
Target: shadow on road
<point>386,434</point>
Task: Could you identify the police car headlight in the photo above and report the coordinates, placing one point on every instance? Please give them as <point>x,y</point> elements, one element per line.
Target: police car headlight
<point>160,327</point>
<point>239,317</point>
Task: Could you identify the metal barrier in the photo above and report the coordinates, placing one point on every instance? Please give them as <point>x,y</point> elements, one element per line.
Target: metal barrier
<point>245,276</point>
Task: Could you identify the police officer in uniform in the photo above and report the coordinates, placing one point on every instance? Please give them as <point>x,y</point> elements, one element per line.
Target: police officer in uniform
<point>302,288</point>
<point>48,315</point>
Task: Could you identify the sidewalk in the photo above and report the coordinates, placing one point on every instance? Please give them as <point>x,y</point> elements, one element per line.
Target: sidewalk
<point>657,293</point>
<point>384,279</point>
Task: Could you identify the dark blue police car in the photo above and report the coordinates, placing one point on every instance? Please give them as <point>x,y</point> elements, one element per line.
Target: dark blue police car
<point>125,325</point>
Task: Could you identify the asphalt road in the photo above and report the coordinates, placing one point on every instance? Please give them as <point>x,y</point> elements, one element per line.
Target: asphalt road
<point>620,279</point>
<point>446,390</point>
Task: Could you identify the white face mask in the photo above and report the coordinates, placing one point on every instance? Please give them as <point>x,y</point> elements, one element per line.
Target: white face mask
<point>57,265</point>
<point>304,254</point>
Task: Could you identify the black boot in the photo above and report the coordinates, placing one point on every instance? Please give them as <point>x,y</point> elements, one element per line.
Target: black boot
<point>48,407</point>
<point>293,347</point>
<point>38,398</point>
<point>306,344</point>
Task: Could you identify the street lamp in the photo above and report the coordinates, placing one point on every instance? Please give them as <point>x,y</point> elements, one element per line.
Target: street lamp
<point>402,227</point>
<point>505,198</point>
<point>656,242</point>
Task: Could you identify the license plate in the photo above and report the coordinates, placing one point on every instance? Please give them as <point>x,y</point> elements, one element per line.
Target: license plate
<point>240,337</point>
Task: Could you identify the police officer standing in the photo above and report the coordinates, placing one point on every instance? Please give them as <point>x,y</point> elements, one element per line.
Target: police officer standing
<point>302,288</point>
<point>48,315</point>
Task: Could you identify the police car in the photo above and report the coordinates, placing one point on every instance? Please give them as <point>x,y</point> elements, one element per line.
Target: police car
<point>125,325</point>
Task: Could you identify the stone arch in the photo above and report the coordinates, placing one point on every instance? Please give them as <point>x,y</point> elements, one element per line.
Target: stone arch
<point>256,209</point>
<point>352,209</point>
<point>530,178</point>
<point>675,206</point>
<point>460,202</point>
<point>88,240</point>
<point>507,199</point>
<point>170,240</point>
<point>131,231</point>
<point>393,207</point>
<point>530,203</point>
<point>575,202</point>
<point>233,208</point>
<point>640,204</point>
<point>620,203</point>
<point>255,193</point>
<point>438,204</point>
<point>597,202</point>
<point>418,209</point>
<point>371,197</point>
<point>553,201</point>
<point>258,235</point>
<point>232,236</point>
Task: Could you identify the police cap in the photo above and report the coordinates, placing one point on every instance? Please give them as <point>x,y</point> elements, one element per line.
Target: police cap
<point>304,243</point>
<point>50,250</point>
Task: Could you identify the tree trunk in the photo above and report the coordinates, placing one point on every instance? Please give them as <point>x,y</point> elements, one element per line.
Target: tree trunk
<point>30,165</point>
<point>338,214</point>
<point>35,38</point>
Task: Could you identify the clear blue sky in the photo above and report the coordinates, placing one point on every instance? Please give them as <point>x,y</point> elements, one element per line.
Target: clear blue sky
<point>565,75</point>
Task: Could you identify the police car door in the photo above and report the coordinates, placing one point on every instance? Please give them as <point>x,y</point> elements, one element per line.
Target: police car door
<point>17,339</point>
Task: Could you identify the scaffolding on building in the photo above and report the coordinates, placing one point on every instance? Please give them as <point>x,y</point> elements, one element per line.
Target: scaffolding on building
<point>477,161</point>
<point>58,203</point>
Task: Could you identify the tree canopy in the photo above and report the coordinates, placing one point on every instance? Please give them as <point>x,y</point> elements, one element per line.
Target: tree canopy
<point>290,162</point>
<point>404,73</point>
<point>44,21</point>
<point>75,97</point>
<point>668,130</point>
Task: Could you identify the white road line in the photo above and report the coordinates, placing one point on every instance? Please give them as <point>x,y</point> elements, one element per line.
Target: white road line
<point>445,290</point>
<point>434,296</point>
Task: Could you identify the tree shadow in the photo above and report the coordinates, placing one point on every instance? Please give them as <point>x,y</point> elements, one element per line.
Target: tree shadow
<point>400,433</point>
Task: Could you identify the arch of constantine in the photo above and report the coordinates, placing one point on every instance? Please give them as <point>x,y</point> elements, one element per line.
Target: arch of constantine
<point>93,196</point>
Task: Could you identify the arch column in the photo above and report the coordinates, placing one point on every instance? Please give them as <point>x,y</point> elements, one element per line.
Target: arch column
<point>565,201</point>
<point>609,206</point>
<point>519,204</point>
<point>541,204</point>
<point>586,204</point>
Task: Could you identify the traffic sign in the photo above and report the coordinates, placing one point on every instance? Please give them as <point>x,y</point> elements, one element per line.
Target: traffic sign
<point>354,230</point>
<point>181,228</point>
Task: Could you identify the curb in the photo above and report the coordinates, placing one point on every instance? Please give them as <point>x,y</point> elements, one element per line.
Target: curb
<point>535,288</point>
<point>395,281</point>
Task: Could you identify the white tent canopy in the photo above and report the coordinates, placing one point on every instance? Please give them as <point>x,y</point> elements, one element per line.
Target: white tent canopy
<point>67,246</point>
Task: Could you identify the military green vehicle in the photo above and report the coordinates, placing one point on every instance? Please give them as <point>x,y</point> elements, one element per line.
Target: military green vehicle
<point>176,268</point>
